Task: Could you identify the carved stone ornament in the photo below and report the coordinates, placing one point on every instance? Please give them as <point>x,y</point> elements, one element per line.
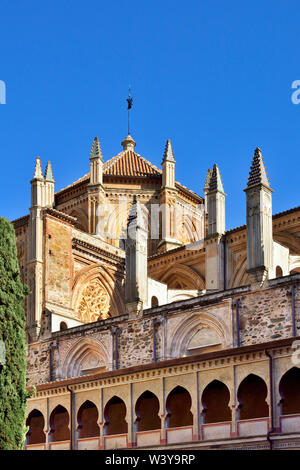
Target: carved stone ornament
<point>93,303</point>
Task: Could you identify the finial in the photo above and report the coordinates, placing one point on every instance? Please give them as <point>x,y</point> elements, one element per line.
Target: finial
<point>96,150</point>
<point>168,153</point>
<point>38,174</point>
<point>129,106</point>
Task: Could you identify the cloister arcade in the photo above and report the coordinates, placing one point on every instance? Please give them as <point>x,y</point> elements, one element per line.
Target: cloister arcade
<point>106,419</point>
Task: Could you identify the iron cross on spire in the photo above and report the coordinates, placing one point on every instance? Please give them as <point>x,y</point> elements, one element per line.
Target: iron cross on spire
<point>129,102</point>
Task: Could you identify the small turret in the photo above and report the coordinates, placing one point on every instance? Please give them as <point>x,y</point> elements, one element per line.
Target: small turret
<point>168,167</point>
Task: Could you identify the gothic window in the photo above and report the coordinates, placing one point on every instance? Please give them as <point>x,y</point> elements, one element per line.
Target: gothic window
<point>93,303</point>
<point>154,302</point>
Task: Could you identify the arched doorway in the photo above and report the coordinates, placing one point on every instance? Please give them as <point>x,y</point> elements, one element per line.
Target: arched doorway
<point>252,394</point>
<point>59,424</point>
<point>36,423</point>
<point>289,389</point>
<point>87,417</point>
<point>178,405</point>
<point>114,414</point>
<point>215,402</point>
<point>146,409</point>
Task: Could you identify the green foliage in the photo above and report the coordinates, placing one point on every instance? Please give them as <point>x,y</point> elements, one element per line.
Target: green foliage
<point>13,392</point>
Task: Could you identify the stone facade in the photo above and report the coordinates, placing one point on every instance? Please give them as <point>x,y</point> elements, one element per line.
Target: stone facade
<point>135,338</point>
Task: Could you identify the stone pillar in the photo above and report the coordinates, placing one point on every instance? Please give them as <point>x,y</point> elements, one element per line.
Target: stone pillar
<point>259,222</point>
<point>136,282</point>
<point>49,186</point>
<point>35,253</point>
<point>96,194</point>
<point>168,197</point>
<point>214,246</point>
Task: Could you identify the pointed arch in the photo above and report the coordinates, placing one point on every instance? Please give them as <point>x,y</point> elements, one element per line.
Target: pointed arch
<point>86,355</point>
<point>100,274</point>
<point>181,276</point>
<point>147,409</point>
<point>188,328</point>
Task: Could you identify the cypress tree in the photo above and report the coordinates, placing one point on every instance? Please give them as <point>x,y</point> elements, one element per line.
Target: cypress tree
<point>13,392</point>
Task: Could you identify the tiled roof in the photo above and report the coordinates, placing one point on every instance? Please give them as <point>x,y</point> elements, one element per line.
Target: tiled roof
<point>130,163</point>
<point>257,171</point>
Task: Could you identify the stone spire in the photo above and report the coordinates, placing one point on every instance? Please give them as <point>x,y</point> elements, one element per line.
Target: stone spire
<point>216,203</point>
<point>168,167</point>
<point>49,186</point>
<point>207,179</point>
<point>168,153</point>
<point>96,163</point>
<point>49,173</point>
<point>136,283</point>
<point>259,222</point>
<point>96,194</point>
<point>258,174</point>
<point>38,174</point>
<point>128,143</point>
<point>215,182</point>
<point>96,150</point>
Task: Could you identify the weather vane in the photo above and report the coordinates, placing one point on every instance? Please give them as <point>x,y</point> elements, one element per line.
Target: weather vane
<point>129,102</point>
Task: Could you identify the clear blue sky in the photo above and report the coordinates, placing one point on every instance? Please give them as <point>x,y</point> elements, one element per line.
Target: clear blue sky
<point>214,77</point>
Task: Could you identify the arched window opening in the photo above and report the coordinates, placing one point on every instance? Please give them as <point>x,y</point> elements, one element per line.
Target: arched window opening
<point>36,422</point>
<point>63,326</point>
<point>154,301</point>
<point>146,409</point>
<point>87,420</point>
<point>289,388</point>
<point>279,272</point>
<point>204,340</point>
<point>252,395</point>
<point>179,408</point>
<point>215,402</point>
<point>114,413</point>
<point>59,424</point>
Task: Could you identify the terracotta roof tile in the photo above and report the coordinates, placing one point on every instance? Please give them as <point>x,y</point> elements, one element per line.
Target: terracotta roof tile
<point>129,163</point>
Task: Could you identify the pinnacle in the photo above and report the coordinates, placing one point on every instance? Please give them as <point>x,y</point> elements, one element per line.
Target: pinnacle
<point>215,183</point>
<point>136,214</point>
<point>49,173</point>
<point>207,179</point>
<point>168,153</point>
<point>96,150</point>
<point>38,174</point>
<point>258,174</point>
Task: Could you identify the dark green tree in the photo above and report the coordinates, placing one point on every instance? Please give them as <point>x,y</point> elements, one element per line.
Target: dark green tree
<point>13,392</point>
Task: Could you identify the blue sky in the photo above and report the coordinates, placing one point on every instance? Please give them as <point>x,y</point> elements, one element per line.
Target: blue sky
<point>214,77</point>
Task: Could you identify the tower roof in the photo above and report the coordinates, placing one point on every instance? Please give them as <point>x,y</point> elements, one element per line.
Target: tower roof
<point>258,174</point>
<point>129,163</point>
<point>215,183</point>
<point>96,149</point>
<point>168,153</point>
